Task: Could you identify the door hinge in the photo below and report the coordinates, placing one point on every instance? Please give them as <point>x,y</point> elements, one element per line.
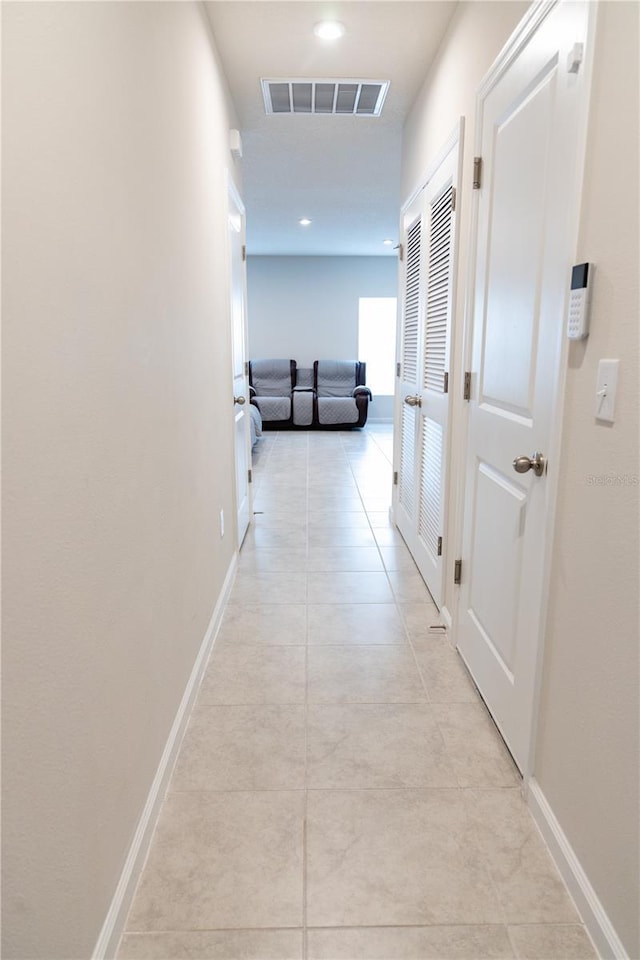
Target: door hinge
<point>244,252</point>
<point>445,385</point>
<point>400,248</point>
<point>250,476</point>
<point>477,173</point>
<point>457,574</point>
<point>246,368</point>
<point>575,58</point>
<point>395,478</point>
<point>439,546</point>
<point>466,391</point>
<point>398,369</point>
<point>454,196</point>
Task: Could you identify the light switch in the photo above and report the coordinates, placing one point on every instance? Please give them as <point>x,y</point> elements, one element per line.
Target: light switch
<point>606,390</point>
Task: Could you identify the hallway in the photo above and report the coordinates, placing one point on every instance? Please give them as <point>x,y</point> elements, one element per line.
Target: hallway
<point>341,792</point>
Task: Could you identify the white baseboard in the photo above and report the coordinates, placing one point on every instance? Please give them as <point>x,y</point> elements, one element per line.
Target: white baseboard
<point>598,925</point>
<point>113,927</point>
<point>445,616</point>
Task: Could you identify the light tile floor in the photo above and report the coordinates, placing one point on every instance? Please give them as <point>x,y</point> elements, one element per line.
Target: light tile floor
<point>341,793</point>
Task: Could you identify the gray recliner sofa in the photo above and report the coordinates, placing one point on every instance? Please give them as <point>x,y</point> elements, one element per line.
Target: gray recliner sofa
<point>342,398</point>
<point>330,395</point>
<point>271,384</point>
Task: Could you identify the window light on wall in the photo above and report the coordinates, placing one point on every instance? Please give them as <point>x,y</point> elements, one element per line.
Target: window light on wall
<point>377,342</point>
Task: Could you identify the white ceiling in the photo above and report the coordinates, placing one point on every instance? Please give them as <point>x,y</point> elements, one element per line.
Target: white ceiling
<point>341,172</point>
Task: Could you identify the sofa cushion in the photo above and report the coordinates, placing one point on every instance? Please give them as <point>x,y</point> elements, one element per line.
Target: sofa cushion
<point>271,378</point>
<point>304,377</point>
<point>302,407</point>
<point>335,378</point>
<point>334,410</point>
<point>274,408</point>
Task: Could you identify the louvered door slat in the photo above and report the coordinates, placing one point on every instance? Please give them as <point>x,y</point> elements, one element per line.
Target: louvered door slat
<point>411,304</point>
<point>407,477</point>
<point>438,295</point>
<point>429,520</point>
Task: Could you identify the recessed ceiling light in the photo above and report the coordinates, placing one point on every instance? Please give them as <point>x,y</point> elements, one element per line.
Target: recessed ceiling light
<point>387,243</point>
<point>304,222</point>
<point>329,29</point>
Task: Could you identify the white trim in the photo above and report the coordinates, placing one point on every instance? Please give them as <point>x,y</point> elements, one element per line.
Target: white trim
<point>455,137</point>
<point>454,142</point>
<point>232,190</point>
<point>598,925</point>
<point>514,46</point>
<point>234,200</point>
<point>555,435</point>
<point>113,927</point>
<point>445,615</point>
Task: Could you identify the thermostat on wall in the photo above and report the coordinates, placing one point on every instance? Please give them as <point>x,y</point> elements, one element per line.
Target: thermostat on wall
<point>579,301</point>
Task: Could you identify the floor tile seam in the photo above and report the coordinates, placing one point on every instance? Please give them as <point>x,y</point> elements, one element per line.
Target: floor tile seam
<point>249,791</point>
<point>257,703</point>
<point>306,709</point>
<point>304,876</point>
<point>485,860</point>
<point>266,603</point>
<point>370,703</point>
<point>378,603</point>
<point>250,706</point>
<point>449,749</point>
<point>350,644</point>
<point>422,680</point>
<point>163,932</point>
<point>307,496</point>
<point>361,498</point>
<point>348,927</point>
<point>373,437</point>
<point>357,646</point>
<point>422,790</point>
<point>148,852</point>
<point>414,926</point>
<point>262,646</point>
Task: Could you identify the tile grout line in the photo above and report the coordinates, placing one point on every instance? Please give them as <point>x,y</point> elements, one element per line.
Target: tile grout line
<point>466,794</point>
<point>305,807</point>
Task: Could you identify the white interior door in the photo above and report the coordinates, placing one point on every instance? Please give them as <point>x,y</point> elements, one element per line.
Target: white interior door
<point>242,435</point>
<point>423,400</point>
<point>406,423</point>
<point>528,124</point>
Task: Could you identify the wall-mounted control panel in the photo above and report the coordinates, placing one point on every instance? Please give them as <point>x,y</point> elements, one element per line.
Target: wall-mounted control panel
<point>579,301</point>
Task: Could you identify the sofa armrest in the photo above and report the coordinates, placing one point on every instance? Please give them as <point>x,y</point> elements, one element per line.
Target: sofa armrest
<point>362,392</point>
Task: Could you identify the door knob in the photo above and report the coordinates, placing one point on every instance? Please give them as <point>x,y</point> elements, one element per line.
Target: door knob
<point>239,400</point>
<point>413,401</point>
<point>535,462</point>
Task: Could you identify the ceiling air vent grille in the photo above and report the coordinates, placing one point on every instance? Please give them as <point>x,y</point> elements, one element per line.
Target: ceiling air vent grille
<point>348,98</point>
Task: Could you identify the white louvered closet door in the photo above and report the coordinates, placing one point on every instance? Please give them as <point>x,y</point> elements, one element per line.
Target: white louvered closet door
<point>423,407</point>
<point>409,352</point>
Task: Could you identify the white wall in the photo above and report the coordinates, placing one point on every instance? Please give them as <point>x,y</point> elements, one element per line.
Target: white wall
<point>306,308</point>
<point>116,457</point>
<point>587,760</point>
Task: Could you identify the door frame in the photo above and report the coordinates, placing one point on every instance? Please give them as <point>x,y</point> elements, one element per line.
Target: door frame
<point>454,141</point>
<point>233,199</point>
<point>525,30</point>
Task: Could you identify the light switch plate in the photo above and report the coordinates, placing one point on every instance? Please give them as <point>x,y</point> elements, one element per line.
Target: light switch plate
<point>606,390</point>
